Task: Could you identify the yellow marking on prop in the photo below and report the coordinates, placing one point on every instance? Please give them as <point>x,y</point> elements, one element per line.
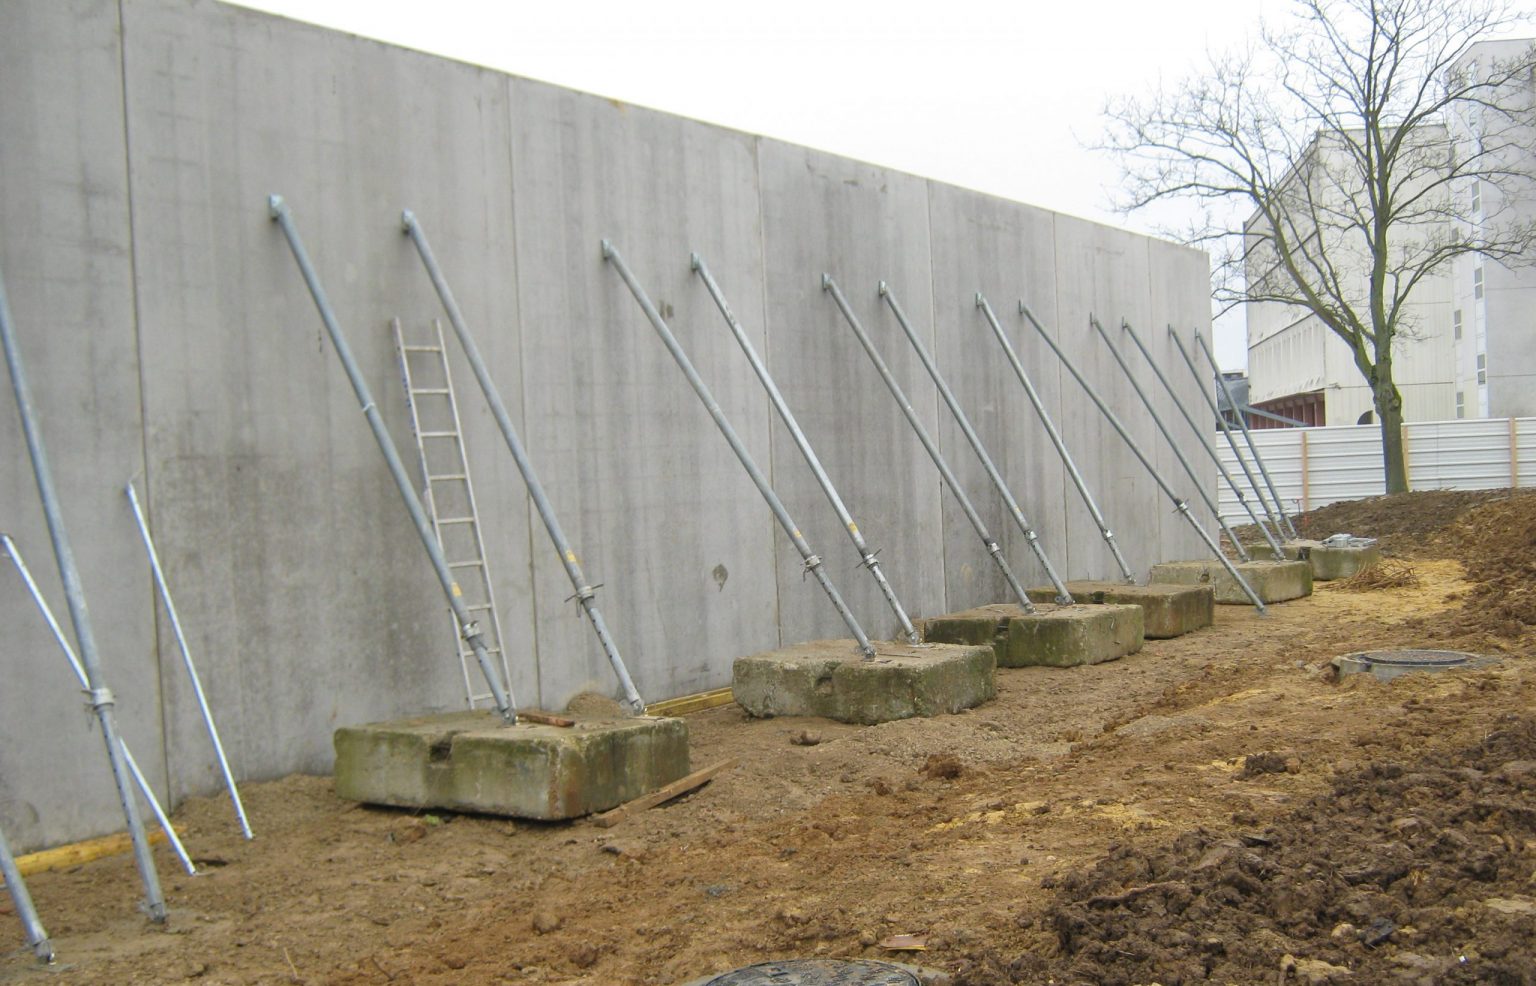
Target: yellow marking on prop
<point>570,556</point>
<point>457,592</point>
<point>796,533</point>
<point>853,527</point>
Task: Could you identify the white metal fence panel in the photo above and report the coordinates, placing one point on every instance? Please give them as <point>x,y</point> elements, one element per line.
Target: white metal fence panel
<point>1313,467</point>
<point>1458,455</point>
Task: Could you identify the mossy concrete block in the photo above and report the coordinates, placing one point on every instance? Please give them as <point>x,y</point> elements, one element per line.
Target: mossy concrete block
<point>473,761</point>
<point>1053,636</point>
<point>1167,609</point>
<point>1271,581</point>
<point>1332,561</point>
<point>830,679</point>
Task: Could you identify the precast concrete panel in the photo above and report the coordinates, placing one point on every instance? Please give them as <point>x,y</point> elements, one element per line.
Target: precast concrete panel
<point>862,224</point>
<point>66,263</point>
<point>1006,251</point>
<point>651,494</point>
<point>1173,268</point>
<point>1103,272</point>
<point>299,575</point>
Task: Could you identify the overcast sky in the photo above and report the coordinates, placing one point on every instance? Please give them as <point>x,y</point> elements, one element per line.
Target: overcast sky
<point>1002,97</point>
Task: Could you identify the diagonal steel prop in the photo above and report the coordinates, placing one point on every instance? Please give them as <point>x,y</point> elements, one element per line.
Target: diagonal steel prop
<point>804,445</point>
<point>1063,597</point>
<point>31,926</point>
<point>1179,504</point>
<point>1189,420</point>
<point>186,658</point>
<point>468,628</point>
<point>99,696</point>
<point>1226,430</point>
<point>1178,453</point>
<point>1269,481</point>
<point>1056,440</point>
<point>74,665</point>
<point>585,594</point>
<point>993,549</point>
<point>780,512</point>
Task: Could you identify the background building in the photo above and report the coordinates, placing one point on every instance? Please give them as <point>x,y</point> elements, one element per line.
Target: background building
<point>1493,315</point>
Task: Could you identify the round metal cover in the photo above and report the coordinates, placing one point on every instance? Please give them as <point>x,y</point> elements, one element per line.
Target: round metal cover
<point>817,972</point>
<point>1388,664</point>
<point>1417,660</point>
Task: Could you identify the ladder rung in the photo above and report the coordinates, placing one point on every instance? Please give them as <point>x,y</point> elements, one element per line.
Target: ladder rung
<point>422,349</point>
<point>479,606</point>
<point>466,564</point>
<point>456,520</point>
<point>437,391</point>
<point>445,477</point>
<point>439,434</point>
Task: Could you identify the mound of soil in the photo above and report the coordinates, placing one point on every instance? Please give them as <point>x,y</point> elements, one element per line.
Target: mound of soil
<point>1406,524</point>
<point>1406,872</point>
<point>1496,541</point>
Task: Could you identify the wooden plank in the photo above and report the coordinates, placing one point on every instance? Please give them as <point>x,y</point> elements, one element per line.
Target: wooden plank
<point>691,703</point>
<point>681,786</point>
<point>545,719</point>
<point>77,853</point>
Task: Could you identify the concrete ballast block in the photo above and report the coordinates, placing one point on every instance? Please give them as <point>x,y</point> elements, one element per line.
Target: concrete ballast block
<point>473,761</point>
<point>1167,609</point>
<point>1272,581</point>
<point>1332,561</point>
<point>830,679</point>
<point>1053,636</point>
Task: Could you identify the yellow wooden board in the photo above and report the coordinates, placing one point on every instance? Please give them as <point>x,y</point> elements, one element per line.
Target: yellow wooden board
<point>691,703</point>
<point>81,852</point>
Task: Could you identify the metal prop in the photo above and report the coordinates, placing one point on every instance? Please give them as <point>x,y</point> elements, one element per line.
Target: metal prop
<point>98,694</point>
<point>585,592</point>
<point>1178,453</point>
<point>1179,504</point>
<point>787,416</point>
<point>467,626</point>
<point>37,937</point>
<point>1056,440</point>
<point>812,562</point>
<point>1063,597</point>
<point>1226,430</point>
<point>74,664</point>
<point>1221,382</point>
<point>1209,450</point>
<point>993,549</point>
<point>186,657</point>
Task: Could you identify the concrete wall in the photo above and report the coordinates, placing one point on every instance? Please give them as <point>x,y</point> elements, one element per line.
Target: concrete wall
<point>169,334</point>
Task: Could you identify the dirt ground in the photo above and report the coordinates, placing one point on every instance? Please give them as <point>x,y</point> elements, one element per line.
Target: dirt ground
<point>1215,808</point>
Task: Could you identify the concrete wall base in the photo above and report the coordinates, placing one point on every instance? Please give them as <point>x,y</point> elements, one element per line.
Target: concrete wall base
<point>828,678</point>
<point>1329,562</point>
<point>1052,636</point>
<point>473,761</point>
<point>1273,581</point>
<point>1167,609</point>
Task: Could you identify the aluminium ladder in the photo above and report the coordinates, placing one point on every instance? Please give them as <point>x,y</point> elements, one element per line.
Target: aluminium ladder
<point>449,493</point>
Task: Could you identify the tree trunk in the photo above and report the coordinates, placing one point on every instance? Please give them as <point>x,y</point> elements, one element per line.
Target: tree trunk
<point>1389,411</point>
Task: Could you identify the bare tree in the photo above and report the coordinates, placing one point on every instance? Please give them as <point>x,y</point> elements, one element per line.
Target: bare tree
<point>1334,161</point>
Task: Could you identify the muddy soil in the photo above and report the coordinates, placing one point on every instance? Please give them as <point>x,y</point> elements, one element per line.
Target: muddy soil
<point>1214,808</point>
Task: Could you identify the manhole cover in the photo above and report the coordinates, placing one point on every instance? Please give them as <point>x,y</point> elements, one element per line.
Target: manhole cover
<point>1388,664</point>
<point>816,972</point>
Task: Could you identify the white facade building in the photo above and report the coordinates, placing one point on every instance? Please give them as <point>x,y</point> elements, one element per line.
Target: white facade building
<point>1493,311</point>
<point>1301,370</point>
